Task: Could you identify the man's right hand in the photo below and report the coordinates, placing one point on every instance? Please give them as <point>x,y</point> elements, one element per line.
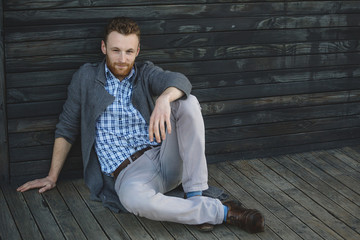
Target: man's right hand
<point>44,184</point>
<point>61,149</point>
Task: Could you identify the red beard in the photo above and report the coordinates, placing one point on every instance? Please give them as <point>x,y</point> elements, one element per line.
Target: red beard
<point>120,70</point>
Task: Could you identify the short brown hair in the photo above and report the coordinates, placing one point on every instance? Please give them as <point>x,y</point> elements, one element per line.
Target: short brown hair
<point>122,25</point>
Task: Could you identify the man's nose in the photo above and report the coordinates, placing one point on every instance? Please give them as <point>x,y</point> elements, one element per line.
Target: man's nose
<point>122,57</point>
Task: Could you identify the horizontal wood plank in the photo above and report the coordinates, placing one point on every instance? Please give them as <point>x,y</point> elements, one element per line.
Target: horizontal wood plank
<point>63,77</point>
<point>267,90</point>
<point>283,140</point>
<point>41,167</point>
<point>87,14</point>
<point>217,25</point>
<point>35,109</point>
<point>63,62</point>
<point>38,4</point>
<point>285,101</point>
<point>43,152</point>
<point>22,157</point>
<point>41,138</point>
<point>66,15</point>
<point>279,150</point>
<point>281,128</point>
<point>32,124</point>
<point>280,115</point>
<point>291,90</point>
<point>211,121</point>
<point>48,48</point>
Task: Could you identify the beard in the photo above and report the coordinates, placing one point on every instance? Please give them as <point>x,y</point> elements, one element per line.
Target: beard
<point>119,70</point>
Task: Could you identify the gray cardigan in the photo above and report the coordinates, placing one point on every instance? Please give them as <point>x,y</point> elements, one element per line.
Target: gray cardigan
<point>87,99</point>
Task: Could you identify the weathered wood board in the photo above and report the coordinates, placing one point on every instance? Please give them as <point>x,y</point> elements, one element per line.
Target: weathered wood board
<point>272,76</point>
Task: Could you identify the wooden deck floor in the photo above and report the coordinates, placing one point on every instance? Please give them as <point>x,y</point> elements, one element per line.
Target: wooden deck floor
<point>313,195</point>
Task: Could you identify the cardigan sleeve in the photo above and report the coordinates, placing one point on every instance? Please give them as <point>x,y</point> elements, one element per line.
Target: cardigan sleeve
<point>159,80</point>
<point>69,120</point>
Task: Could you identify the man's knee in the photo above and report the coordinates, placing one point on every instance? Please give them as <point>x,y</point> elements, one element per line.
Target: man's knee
<point>189,106</point>
<point>134,200</point>
<point>192,101</point>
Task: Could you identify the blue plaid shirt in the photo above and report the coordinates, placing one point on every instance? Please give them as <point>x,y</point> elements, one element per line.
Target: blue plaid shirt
<point>120,130</point>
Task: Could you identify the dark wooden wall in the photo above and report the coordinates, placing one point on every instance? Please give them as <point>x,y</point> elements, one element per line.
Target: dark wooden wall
<point>4,162</point>
<point>272,76</point>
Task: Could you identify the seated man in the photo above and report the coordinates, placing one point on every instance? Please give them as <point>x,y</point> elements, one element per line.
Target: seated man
<point>135,148</point>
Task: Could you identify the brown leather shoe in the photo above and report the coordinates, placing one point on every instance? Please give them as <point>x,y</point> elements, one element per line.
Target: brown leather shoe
<point>250,220</point>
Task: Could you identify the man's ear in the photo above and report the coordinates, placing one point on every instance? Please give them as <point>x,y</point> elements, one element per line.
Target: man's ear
<point>103,47</point>
<point>138,50</point>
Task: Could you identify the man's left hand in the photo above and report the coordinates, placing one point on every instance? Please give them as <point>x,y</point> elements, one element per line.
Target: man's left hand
<point>160,117</point>
<point>160,120</point>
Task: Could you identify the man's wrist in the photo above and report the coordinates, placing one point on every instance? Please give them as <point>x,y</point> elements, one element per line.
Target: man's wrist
<point>164,97</point>
<point>52,178</point>
<point>171,94</point>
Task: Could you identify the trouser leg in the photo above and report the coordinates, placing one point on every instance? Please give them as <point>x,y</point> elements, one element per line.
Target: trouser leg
<point>140,188</point>
<point>182,155</point>
<point>181,158</point>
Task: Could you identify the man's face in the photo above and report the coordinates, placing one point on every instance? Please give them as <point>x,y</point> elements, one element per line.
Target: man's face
<point>120,51</point>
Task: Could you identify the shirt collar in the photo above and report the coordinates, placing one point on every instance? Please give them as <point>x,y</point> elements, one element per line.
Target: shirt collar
<point>110,76</point>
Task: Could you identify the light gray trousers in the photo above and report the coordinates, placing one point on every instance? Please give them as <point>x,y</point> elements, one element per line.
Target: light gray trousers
<point>179,159</point>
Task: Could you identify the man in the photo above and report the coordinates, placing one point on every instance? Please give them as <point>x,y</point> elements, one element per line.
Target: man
<point>134,148</point>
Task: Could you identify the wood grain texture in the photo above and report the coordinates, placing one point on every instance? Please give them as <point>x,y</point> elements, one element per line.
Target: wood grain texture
<point>271,76</point>
<point>4,156</point>
<point>8,229</point>
<point>74,31</point>
<point>302,196</point>
<point>21,213</point>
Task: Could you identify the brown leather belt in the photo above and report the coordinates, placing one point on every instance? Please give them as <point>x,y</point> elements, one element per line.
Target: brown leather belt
<point>126,162</point>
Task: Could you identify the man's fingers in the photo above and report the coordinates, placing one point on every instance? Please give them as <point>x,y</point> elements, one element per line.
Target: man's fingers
<point>26,186</point>
<point>23,188</point>
<point>158,127</point>
<point>41,190</point>
<point>168,125</point>
<point>45,188</point>
<point>43,184</point>
<point>162,129</point>
<point>151,129</point>
<point>157,131</point>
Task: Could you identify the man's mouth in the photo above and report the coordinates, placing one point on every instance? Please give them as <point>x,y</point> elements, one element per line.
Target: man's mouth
<point>121,65</point>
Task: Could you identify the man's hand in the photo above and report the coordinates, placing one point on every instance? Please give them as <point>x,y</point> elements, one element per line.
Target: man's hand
<point>160,117</point>
<point>44,184</point>
<point>61,149</point>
